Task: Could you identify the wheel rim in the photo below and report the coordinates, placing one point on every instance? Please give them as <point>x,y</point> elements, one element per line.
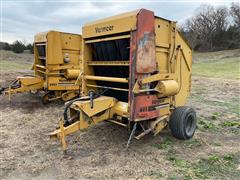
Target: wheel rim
<point>190,125</point>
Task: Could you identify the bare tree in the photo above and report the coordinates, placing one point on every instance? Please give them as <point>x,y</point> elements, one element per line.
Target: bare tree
<point>207,29</point>
<point>220,16</point>
<point>221,24</point>
<point>235,13</point>
<point>201,26</point>
<point>234,29</point>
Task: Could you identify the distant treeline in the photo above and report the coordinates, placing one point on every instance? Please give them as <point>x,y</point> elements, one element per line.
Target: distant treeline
<point>16,46</point>
<point>213,28</point>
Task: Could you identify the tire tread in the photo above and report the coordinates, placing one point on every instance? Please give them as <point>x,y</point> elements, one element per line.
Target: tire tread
<point>176,122</point>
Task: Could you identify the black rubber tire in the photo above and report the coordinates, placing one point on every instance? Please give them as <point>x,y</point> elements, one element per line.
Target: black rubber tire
<point>46,97</point>
<point>183,122</point>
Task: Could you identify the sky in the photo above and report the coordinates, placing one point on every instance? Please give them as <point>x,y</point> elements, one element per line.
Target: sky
<point>22,19</point>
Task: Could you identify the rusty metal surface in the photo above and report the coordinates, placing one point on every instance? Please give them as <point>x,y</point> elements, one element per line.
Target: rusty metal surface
<point>146,107</point>
<point>146,55</point>
<point>132,74</point>
<point>142,62</point>
<point>146,51</point>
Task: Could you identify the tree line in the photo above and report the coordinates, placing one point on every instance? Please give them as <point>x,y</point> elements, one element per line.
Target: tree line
<point>213,28</point>
<point>16,46</point>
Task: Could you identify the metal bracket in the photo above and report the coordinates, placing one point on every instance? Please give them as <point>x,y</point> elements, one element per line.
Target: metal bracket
<point>131,135</point>
<point>62,135</point>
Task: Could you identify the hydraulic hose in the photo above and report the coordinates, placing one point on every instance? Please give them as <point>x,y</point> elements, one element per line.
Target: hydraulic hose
<point>92,95</point>
<point>65,112</point>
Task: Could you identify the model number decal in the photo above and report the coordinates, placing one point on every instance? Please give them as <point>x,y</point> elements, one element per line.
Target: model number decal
<point>103,29</point>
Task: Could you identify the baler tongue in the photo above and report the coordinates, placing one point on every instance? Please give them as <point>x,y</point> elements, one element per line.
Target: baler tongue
<point>23,84</point>
<point>82,115</point>
<point>60,134</point>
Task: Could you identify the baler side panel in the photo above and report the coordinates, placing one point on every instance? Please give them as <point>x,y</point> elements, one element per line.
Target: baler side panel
<point>163,41</point>
<point>54,48</point>
<point>183,70</point>
<point>63,46</point>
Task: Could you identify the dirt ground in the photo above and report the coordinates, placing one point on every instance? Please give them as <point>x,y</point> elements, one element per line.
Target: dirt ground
<point>100,151</point>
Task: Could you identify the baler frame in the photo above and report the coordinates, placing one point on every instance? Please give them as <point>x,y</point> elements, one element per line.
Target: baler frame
<point>157,81</point>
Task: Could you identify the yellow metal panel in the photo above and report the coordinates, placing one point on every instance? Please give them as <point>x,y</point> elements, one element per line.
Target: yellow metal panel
<point>71,41</point>
<point>121,109</point>
<point>99,105</point>
<point>162,30</point>
<point>40,37</point>
<point>164,111</point>
<point>184,62</point>
<point>54,48</point>
<point>116,24</point>
<point>185,48</point>
<point>55,83</point>
<point>162,61</point>
<point>26,81</point>
<point>108,39</point>
<point>74,59</point>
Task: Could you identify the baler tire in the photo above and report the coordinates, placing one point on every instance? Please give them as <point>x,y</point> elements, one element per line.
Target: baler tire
<point>183,122</point>
<point>45,100</point>
<point>46,97</point>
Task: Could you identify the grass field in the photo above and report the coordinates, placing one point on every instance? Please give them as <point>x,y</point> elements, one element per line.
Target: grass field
<point>100,152</point>
<point>224,68</point>
<point>222,64</point>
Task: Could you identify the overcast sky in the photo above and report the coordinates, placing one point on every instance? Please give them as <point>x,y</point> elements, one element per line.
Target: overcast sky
<point>22,19</point>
